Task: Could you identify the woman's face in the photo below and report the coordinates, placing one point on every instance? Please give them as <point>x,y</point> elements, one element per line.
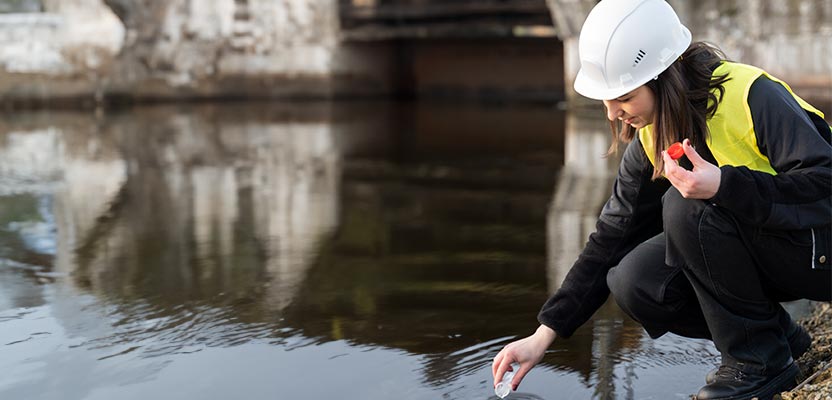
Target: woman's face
<point>636,108</point>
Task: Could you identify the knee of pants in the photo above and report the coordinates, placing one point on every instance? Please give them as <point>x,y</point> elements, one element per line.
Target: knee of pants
<point>681,216</point>
<point>624,289</point>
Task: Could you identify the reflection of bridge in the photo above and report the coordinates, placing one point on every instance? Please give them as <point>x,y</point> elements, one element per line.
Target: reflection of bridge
<point>426,241</point>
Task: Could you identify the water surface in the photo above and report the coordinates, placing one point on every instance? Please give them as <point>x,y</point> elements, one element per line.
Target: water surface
<point>307,251</point>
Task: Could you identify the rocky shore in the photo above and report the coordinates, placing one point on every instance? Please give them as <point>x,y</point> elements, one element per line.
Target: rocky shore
<point>816,364</point>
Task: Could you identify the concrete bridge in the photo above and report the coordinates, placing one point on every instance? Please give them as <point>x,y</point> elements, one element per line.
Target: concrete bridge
<point>791,39</point>
<point>394,19</point>
<point>59,51</point>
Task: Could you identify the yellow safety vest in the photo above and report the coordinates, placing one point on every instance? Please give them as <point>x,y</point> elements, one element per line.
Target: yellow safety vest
<point>732,140</point>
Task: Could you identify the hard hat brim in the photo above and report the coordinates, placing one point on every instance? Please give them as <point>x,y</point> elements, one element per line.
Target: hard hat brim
<point>587,88</point>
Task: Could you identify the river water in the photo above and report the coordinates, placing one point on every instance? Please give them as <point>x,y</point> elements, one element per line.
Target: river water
<point>307,251</point>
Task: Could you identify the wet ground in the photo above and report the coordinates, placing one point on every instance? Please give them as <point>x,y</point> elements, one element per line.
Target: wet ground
<point>310,251</point>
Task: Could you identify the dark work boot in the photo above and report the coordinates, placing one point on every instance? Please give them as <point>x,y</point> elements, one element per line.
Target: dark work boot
<point>731,383</point>
<point>799,342</point>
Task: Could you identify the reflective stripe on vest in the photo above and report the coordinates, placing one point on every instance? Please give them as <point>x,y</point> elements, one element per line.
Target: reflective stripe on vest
<point>732,140</point>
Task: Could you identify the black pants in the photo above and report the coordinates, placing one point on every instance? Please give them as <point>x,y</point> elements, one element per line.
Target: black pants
<point>709,276</point>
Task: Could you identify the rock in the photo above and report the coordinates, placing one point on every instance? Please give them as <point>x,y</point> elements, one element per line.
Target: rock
<point>816,364</point>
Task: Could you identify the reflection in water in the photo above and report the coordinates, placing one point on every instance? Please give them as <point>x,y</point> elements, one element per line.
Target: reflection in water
<point>292,250</point>
<point>583,186</point>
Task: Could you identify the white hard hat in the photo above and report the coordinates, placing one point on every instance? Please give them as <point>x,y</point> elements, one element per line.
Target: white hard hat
<point>626,43</point>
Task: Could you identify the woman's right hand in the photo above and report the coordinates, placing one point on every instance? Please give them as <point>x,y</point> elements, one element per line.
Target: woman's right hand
<point>527,352</point>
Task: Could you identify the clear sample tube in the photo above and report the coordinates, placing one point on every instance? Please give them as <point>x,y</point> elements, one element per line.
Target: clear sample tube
<point>503,388</point>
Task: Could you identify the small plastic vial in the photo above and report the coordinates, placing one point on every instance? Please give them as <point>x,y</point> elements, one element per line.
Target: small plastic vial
<point>503,388</point>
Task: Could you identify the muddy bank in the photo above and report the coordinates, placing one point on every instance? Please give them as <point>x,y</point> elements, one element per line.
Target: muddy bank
<point>816,364</point>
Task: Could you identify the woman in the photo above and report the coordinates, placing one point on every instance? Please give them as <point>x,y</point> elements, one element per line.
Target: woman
<point>709,246</point>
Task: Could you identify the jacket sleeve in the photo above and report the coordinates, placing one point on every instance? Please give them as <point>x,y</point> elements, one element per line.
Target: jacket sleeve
<point>631,215</point>
<point>797,146</point>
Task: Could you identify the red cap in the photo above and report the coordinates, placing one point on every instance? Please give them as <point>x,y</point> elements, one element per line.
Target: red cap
<point>675,151</point>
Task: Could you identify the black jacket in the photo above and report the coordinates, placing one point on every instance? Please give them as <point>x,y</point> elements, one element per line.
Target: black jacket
<point>797,144</point>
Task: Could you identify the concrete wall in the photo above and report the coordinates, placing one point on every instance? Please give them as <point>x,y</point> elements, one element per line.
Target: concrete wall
<point>233,48</point>
<point>62,52</point>
<point>85,50</point>
<point>791,39</point>
<point>89,49</point>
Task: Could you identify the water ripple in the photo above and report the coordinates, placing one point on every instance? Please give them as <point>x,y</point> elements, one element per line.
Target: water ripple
<point>445,367</point>
<point>183,329</point>
<point>18,314</point>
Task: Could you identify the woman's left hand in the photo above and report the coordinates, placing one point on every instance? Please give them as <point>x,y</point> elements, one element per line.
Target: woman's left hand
<point>700,183</point>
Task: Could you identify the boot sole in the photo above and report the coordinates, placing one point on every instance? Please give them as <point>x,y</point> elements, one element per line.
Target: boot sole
<point>782,382</point>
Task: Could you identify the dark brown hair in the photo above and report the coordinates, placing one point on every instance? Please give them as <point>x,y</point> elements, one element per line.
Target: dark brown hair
<point>686,96</point>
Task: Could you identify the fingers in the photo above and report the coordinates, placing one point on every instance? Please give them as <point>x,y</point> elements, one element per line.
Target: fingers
<point>673,171</point>
<point>518,377</point>
<point>693,156</point>
<point>495,365</point>
<point>526,353</point>
<point>501,364</point>
<point>504,363</point>
<point>702,182</point>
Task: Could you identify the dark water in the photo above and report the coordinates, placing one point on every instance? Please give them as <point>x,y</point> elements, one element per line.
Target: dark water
<point>306,251</point>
